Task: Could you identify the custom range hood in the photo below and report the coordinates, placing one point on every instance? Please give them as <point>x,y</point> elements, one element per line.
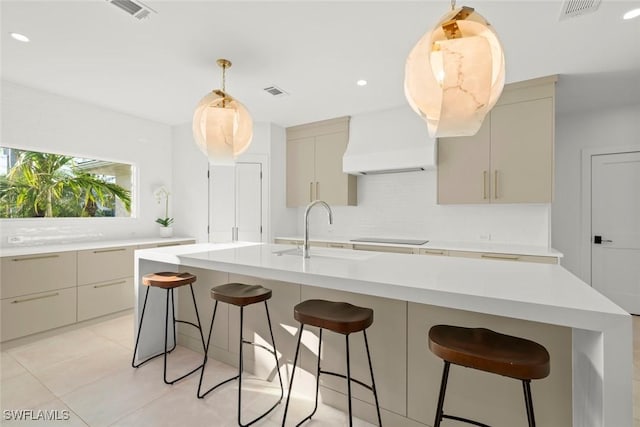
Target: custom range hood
<point>388,141</point>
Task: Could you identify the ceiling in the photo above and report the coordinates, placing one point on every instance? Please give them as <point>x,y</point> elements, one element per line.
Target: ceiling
<point>161,67</point>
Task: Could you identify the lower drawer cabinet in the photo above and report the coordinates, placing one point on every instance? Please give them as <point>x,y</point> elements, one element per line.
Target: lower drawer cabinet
<point>33,313</point>
<point>99,299</point>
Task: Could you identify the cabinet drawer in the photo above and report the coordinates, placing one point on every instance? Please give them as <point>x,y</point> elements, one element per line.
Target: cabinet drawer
<point>505,257</point>
<point>440,252</point>
<point>340,245</point>
<point>101,265</point>
<point>162,245</point>
<point>288,242</point>
<point>33,313</point>
<point>393,249</point>
<point>99,299</point>
<point>30,274</point>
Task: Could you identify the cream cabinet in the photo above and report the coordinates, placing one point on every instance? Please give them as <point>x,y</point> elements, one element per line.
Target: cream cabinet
<point>436,252</point>
<point>505,257</point>
<point>29,274</point>
<point>510,159</point>
<point>99,265</point>
<point>391,249</point>
<point>314,164</point>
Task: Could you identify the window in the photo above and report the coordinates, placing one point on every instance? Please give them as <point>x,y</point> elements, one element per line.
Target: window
<point>36,184</point>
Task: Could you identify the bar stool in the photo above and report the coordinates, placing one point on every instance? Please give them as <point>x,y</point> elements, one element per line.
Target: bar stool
<point>241,295</point>
<point>488,351</point>
<point>168,281</point>
<point>342,318</point>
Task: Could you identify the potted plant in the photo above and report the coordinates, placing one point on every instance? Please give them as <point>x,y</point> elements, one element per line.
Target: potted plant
<point>165,223</point>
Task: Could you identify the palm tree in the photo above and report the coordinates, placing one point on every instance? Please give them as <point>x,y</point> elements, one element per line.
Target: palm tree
<point>44,184</point>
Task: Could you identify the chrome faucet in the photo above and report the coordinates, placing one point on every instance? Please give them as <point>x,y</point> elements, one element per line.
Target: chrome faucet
<point>305,247</point>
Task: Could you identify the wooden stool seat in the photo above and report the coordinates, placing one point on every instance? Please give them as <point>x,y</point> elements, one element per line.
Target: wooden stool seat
<point>340,317</point>
<point>240,294</point>
<point>168,280</point>
<point>490,351</point>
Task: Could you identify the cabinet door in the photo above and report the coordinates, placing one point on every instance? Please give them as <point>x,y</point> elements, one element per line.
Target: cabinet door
<point>29,274</point>
<point>300,171</point>
<point>100,265</point>
<point>522,152</point>
<point>332,185</point>
<point>463,167</point>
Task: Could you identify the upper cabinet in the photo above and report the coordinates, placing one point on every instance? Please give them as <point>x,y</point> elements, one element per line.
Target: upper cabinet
<point>314,164</point>
<point>510,159</point>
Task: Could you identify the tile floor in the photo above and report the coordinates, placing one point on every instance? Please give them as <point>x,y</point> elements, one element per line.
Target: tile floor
<point>87,372</point>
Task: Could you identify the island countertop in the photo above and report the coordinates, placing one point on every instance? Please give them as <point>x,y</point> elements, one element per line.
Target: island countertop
<point>546,293</point>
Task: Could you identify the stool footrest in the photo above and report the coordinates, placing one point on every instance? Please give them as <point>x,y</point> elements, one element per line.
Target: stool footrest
<point>200,396</point>
<point>335,374</point>
<point>149,359</point>
<point>264,347</point>
<point>465,420</point>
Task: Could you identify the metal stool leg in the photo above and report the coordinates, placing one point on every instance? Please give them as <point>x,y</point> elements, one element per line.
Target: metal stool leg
<point>293,371</point>
<point>275,352</point>
<point>166,333</point>
<point>349,382</point>
<point>373,383</point>
<point>443,389</point>
<point>526,386</point>
<point>204,362</point>
<point>135,350</point>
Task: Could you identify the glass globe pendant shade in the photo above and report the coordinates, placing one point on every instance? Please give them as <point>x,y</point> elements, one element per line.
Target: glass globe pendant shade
<point>222,128</point>
<point>455,74</point>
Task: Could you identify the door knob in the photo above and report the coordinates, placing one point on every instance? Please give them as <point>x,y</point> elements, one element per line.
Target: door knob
<point>599,240</point>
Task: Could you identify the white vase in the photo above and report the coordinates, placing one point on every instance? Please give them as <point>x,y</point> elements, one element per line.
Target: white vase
<point>166,231</point>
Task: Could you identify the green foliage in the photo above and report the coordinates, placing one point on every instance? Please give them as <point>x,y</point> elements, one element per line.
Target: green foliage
<point>51,185</point>
<point>165,222</point>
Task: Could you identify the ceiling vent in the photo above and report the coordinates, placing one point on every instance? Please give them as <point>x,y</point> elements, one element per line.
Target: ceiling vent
<point>275,91</point>
<point>136,8</point>
<point>574,8</point>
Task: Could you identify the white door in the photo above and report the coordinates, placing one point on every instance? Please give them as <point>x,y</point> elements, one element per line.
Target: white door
<point>615,227</point>
<point>235,201</point>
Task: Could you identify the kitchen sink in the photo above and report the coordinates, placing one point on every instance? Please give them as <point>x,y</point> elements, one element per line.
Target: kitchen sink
<point>345,254</point>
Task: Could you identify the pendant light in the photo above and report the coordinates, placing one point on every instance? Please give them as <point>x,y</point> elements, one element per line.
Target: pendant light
<point>455,73</point>
<point>222,126</point>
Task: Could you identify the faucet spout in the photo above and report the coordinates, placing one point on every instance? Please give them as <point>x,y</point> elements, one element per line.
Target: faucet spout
<point>305,247</point>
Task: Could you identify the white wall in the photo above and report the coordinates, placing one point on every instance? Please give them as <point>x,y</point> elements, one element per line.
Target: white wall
<point>42,121</point>
<point>404,205</point>
<point>611,127</point>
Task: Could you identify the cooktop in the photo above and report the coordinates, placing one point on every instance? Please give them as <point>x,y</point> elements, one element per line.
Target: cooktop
<point>391,241</point>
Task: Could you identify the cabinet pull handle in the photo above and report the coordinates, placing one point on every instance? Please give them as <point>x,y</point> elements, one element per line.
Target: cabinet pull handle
<point>100,251</point>
<point>35,298</point>
<point>484,184</point>
<point>104,285</point>
<point>311,191</point>
<point>495,184</point>
<point>317,190</point>
<point>335,246</point>
<point>162,245</point>
<point>427,251</point>
<point>35,257</point>
<point>509,257</point>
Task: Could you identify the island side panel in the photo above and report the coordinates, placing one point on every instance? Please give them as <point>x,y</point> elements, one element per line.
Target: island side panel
<point>489,398</point>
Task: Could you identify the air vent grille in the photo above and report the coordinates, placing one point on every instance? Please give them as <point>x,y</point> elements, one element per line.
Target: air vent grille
<point>573,8</point>
<point>275,91</point>
<point>136,8</point>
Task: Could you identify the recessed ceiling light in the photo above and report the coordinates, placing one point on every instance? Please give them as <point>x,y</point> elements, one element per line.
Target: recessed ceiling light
<point>20,37</point>
<point>634,13</point>
<point>361,82</point>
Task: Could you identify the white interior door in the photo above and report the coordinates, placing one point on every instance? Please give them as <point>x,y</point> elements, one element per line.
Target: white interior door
<point>235,201</point>
<point>615,226</point>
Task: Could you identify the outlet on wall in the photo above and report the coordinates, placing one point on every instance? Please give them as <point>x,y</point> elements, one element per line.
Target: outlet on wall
<point>15,239</point>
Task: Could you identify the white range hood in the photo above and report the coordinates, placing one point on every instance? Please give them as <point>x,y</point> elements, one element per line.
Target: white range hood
<point>388,141</point>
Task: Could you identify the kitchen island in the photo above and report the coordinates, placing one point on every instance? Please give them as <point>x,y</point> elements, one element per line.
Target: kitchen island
<point>589,337</point>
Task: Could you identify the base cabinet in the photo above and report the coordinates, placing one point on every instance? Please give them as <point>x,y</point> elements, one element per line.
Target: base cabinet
<point>99,299</point>
<point>33,313</point>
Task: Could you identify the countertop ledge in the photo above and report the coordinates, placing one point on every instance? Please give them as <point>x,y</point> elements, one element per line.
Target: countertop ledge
<point>94,244</point>
<point>499,248</point>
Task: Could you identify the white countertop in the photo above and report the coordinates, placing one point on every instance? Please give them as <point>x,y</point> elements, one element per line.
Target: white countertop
<point>493,247</point>
<point>95,244</point>
<point>545,293</point>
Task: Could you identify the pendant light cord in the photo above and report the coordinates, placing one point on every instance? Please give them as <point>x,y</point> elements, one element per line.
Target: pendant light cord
<point>453,4</point>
